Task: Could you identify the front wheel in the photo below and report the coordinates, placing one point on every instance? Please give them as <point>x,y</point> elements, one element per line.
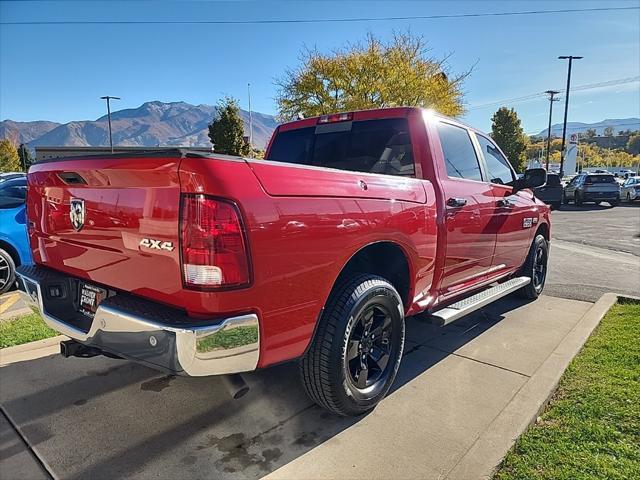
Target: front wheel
<point>535,267</point>
<point>628,197</point>
<point>354,356</point>
<point>577,199</point>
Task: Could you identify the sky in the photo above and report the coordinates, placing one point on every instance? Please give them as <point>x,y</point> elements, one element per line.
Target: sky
<point>58,72</point>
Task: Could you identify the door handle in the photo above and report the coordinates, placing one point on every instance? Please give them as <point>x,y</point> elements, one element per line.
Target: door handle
<point>456,202</point>
<point>505,203</point>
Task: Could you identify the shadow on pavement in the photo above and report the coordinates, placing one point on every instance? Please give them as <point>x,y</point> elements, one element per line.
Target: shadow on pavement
<point>103,418</point>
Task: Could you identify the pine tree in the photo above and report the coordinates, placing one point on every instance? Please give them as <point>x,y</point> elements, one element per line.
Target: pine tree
<point>226,132</point>
<point>507,132</point>
<point>26,160</point>
<point>9,159</point>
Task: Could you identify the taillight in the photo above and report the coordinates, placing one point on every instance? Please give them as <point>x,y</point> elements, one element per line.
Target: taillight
<point>214,248</point>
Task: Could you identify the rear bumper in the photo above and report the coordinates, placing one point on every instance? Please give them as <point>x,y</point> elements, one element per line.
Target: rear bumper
<point>601,195</point>
<point>144,331</point>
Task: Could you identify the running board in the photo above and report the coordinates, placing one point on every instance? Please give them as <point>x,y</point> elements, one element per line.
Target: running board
<point>467,305</point>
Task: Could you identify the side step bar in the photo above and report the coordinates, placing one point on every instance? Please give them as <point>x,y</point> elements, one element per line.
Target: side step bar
<point>467,305</point>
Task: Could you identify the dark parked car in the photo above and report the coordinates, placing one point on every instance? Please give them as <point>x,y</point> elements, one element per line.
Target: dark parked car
<point>551,192</point>
<point>592,187</point>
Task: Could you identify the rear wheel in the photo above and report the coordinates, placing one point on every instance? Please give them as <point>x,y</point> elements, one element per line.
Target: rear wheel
<point>356,351</point>
<point>7,271</point>
<point>556,205</point>
<point>614,203</point>
<point>535,266</point>
<point>628,197</point>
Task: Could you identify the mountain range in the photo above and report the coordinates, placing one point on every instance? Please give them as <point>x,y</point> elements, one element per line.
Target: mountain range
<point>577,127</point>
<point>151,124</point>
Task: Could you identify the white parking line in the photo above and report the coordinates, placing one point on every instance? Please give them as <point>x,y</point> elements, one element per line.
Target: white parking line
<point>602,253</point>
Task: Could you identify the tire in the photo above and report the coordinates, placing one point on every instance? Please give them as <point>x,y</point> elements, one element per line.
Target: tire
<point>535,266</point>
<point>7,271</point>
<point>628,197</point>
<point>331,369</point>
<point>614,203</point>
<point>577,200</point>
<point>557,205</point>
<point>564,200</point>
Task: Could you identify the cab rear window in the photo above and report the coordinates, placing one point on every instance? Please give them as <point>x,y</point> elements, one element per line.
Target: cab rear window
<point>373,146</point>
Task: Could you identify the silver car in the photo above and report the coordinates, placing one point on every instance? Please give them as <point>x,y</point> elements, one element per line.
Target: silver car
<point>592,187</point>
<point>630,189</point>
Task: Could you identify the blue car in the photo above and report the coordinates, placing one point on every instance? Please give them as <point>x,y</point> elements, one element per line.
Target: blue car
<point>14,243</point>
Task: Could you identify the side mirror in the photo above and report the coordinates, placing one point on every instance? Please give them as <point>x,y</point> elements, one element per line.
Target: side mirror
<point>532,178</point>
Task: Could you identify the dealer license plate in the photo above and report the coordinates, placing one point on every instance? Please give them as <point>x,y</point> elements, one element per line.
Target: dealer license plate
<point>90,298</point>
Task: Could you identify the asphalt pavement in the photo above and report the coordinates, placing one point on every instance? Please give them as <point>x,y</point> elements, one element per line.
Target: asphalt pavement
<point>594,250</point>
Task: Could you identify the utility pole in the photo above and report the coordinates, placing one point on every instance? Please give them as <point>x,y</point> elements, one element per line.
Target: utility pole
<point>551,94</point>
<point>108,98</point>
<point>571,58</point>
<point>250,123</point>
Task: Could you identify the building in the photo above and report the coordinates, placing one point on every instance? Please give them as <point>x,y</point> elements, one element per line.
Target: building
<point>43,153</point>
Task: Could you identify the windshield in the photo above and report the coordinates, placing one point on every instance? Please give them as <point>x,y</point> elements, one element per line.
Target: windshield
<point>374,146</point>
<point>600,179</point>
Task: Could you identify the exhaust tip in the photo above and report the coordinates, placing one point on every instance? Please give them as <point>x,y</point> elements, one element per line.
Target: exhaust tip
<point>235,385</point>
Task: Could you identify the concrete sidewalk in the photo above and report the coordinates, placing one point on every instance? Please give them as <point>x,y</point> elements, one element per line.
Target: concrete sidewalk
<point>463,394</point>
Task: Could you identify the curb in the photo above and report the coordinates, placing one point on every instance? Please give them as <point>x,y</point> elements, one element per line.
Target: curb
<point>31,350</point>
<point>484,456</point>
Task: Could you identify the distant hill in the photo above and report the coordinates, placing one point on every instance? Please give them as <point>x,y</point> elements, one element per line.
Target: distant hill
<point>578,127</point>
<point>150,125</point>
<point>25,132</point>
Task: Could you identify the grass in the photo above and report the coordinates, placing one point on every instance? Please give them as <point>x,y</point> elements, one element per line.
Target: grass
<point>591,428</point>
<point>226,339</point>
<point>27,328</point>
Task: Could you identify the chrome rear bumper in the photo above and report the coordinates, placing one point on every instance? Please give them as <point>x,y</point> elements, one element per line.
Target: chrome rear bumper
<point>144,331</point>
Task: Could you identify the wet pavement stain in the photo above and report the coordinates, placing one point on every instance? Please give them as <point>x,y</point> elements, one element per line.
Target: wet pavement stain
<point>307,439</point>
<point>189,460</point>
<point>157,384</point>
<point>236,455</point>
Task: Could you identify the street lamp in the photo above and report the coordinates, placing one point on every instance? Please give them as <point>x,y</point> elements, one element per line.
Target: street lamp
<point>571,58</point>
<point>551,94</point>
<point>108,98</point>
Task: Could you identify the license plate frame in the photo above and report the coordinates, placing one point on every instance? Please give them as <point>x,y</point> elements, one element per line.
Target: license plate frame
<point>89,298</point>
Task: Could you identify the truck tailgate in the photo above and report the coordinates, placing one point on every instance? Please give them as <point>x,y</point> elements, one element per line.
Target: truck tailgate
<point>109,220</point>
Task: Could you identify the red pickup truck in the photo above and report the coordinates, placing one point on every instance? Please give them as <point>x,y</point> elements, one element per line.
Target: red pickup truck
<point>205,264</point>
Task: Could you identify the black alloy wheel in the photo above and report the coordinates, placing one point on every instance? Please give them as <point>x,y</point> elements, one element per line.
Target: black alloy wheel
<point>369,348</point>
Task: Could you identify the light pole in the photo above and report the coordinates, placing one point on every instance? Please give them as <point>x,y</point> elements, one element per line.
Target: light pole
<point>108,98</point>
<point>571,58</point>
<point>551,94</point>
<point>250,123</point>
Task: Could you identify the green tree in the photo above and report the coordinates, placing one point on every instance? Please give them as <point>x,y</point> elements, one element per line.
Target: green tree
<point>608,132</point>
<point>633,145</point>
<point>373,74</point>
<point>9,159</point>
<point>226,132</point>
<point>26,160</point>
<point>507,132</point>
<point>590,134</point>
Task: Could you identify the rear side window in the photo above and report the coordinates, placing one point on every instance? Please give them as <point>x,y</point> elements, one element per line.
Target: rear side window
<point>498,167</point>
<point>553,180</point>
<point>459,154</point>
<point>591,179</point>
<point>374,146</point>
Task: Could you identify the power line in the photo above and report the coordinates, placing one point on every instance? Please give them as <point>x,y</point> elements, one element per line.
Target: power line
<point>534,96</point>
<point>316,20</point>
